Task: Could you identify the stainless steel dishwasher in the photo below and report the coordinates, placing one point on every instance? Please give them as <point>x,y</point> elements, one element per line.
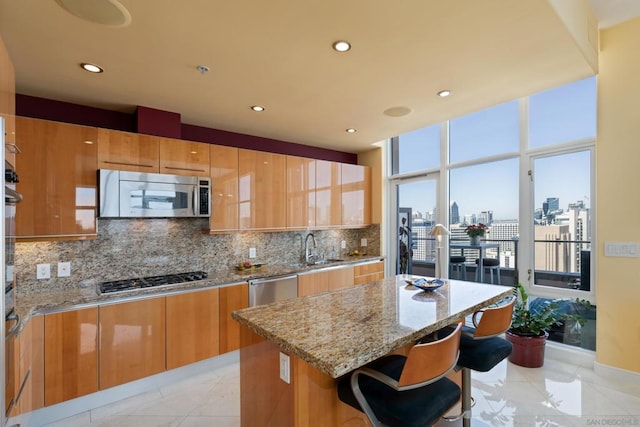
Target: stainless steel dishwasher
<point>272,289</point>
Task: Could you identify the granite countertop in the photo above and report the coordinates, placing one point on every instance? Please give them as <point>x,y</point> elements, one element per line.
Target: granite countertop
<point>339,331</point>
<point>86,293</point>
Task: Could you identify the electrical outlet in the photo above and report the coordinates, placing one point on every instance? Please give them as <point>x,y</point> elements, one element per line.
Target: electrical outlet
<point>64,269</point>
<point>285,368</point>
<point>363,242</point>
<point>343,244</point>
<point>43,271</point>
<point>252,252</point>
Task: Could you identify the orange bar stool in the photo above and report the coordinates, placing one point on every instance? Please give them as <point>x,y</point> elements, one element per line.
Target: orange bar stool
<point>406,391</point>
<point>481,347</point>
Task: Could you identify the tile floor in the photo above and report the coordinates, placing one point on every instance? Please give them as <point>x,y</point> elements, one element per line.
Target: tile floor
<point>558,394</point>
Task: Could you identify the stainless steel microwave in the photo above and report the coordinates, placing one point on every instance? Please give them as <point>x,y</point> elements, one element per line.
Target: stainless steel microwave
<point>124,194</point>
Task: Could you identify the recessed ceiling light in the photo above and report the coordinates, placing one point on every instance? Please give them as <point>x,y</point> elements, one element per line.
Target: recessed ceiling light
<point>351,130</point>
<point>341,46</point>
<point>444,93</point>
<point>257,108</point>
<point>397,111</point>
<point>92,68</point>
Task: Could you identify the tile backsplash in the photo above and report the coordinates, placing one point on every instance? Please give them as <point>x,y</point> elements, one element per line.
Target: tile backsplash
<point>145,247</point>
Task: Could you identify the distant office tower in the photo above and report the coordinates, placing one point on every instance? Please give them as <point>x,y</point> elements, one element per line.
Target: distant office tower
<point>553,203</point>
<point>553,252</point>
<point>505,232</point>
<point>578,221</point>
<point>486,217</point>
<point>454,213</point>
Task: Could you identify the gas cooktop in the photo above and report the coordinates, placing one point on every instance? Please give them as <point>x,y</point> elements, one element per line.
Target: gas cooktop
<point>152,281</point>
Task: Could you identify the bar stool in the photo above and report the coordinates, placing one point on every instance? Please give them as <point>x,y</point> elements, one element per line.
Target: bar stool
<point>406,391</point>
<point>481,349</point>
<point>491,264</point>
<point>457,262</point>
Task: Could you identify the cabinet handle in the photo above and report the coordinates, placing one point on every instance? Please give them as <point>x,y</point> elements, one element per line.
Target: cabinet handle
<point>184,169</point>
<point>12,148</point>
<point>14,329</point>
<point>11,196</point>
<point>128,164</point>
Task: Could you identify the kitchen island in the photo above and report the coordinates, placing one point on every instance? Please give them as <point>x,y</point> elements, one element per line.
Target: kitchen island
<point>312,341</point>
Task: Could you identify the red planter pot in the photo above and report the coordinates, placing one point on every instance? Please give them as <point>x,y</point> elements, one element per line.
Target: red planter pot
<point>527,351</point>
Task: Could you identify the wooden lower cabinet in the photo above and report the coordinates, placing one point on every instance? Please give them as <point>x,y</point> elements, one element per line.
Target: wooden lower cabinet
<point>370,272</point>
<point>232,298</point>
<point>192,327</point>
<point>330,279</point>
<point>29,367</point>
<point>132,341</point>
<point>71,356</point>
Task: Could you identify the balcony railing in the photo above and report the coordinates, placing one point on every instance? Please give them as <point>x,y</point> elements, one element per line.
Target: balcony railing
<point>558,263</point>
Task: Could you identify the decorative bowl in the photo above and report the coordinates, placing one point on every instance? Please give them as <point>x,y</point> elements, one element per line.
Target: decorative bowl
<point>425,284</point>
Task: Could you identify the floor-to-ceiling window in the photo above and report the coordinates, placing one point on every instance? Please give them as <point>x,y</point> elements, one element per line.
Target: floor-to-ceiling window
<point>525,170</point>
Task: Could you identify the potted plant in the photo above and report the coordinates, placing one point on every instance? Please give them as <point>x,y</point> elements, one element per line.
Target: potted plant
<point>529,328</point>
<point>475,232</point>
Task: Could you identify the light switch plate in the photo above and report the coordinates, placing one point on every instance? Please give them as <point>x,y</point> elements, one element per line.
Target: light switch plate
<point>285,368</point>
<point>621,249</point>
<point>363,242</point>
<point>43,271</point>
<point>252,252</point>
<point>343,244</point>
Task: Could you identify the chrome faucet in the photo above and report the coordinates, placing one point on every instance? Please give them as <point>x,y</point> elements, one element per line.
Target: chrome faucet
<point>308,255</point>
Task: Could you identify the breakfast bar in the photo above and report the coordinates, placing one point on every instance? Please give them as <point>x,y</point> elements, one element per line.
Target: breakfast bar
<point>293,351</point>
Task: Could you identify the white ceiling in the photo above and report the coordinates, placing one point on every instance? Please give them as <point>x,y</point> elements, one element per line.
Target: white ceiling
<point>278,54</point>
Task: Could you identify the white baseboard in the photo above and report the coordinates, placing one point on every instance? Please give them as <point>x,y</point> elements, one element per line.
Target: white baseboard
<point>570,354</point>
<point>617,374</point>
<point>105,397</point>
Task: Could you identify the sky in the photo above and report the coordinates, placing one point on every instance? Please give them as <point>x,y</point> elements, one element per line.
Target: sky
<point>556,116</point>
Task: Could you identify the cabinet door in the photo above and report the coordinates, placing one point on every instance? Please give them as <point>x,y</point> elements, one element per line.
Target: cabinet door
<point>57,179</point>
<point>325,280</point>
<point>262,190</point>
<point>8,101</point>
<point>365,273</point>
<point>192,327</point>
<point>180,157</point>
<point>328,194</point>
<point>71,357</point>
<point>231,298</point>
<point>224,189</point>
<point>132,341</point>
<point>356,195</point>
<point>128,151</point>
<point>301,192</point>
<point>29,368</point>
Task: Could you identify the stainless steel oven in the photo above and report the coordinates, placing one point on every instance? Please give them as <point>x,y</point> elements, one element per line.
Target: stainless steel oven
<point>10,326</point>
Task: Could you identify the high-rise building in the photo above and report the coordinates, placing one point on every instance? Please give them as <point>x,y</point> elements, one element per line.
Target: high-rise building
<point>553,203</point>
<point>486,217</point>
<point>454,213</point>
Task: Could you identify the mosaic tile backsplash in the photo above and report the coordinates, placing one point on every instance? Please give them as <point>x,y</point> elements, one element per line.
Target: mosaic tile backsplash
<point>148,247</point>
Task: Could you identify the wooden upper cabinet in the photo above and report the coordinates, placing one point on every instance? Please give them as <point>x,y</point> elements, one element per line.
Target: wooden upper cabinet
<point>224,189</point>
<point>301,192</point>
<point>328,194</point>
<point>356,195</point>
<point>128,151</point>
<point>8,103</point>
<point>71,357</point>
<point>262,190</point>
<point>132,341</point>
<point>180,157</point>
<point>232,298</point>
<point>57,179</point>
<point>192,327</point>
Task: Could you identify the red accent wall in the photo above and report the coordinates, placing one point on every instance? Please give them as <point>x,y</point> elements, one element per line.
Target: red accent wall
<point>157,122</point>
<point>162,123</point>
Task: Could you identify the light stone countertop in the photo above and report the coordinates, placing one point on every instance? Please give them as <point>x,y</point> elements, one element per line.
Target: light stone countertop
<point>86,293</point>
<point>339,331</point>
